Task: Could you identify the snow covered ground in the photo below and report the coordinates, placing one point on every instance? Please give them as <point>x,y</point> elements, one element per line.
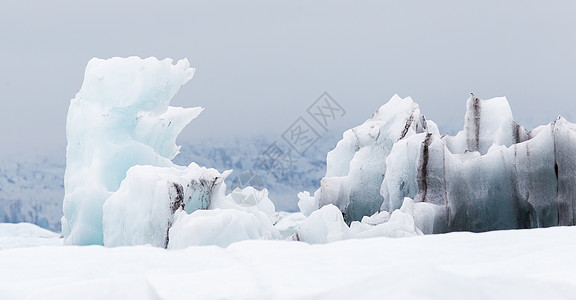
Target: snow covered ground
<point>515,264</point>
<point>24,235</point>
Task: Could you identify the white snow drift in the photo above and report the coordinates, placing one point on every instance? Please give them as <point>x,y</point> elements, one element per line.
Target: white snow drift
<point>22,235</point>
<point>512,264</point>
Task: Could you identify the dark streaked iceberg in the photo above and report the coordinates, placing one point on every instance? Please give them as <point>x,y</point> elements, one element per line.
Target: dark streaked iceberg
<point>492,175</point>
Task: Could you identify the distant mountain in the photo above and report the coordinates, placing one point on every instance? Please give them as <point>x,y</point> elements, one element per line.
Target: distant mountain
<point>32,189</point>
<point>264,162</point>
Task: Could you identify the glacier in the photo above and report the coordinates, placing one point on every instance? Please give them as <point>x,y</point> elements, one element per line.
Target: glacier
<point>31,190</point>
<point>492,175</point>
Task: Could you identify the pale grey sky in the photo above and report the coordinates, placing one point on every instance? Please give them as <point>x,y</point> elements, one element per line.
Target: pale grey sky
<point>260,64</point>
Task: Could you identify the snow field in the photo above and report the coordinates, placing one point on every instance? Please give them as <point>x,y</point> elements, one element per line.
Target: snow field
<point>513,264</point>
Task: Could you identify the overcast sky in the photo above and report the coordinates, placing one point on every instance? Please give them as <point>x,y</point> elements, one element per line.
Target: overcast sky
<point>261,64</point>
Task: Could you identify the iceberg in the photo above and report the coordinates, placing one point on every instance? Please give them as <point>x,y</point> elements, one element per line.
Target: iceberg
<point>327,225</point>
<point>220,227</point>
<point>142,210</point>
<point>492,175</point>
<point>356,167</point>
<point>121,186</point>
<point>120,118</point>
<point>395,175</point>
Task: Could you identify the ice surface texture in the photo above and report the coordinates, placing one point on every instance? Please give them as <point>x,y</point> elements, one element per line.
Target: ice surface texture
<point>142,210</point>
<point>120,119</point>
<point>356,167</point>
<point>121,186</point>
<point>394,175</point>
<point>327,225</point>
<point>492,175</point>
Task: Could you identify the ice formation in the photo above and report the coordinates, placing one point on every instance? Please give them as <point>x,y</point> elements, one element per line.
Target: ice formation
<point>244,214</point>
<point>493,174</point>
<point>121,187</point>
<point>120,118</point>
<point>142,210</point>
<point>393,176</point>
<point>327,225</point>
<point>355,168</point>
<point>220,227</point>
